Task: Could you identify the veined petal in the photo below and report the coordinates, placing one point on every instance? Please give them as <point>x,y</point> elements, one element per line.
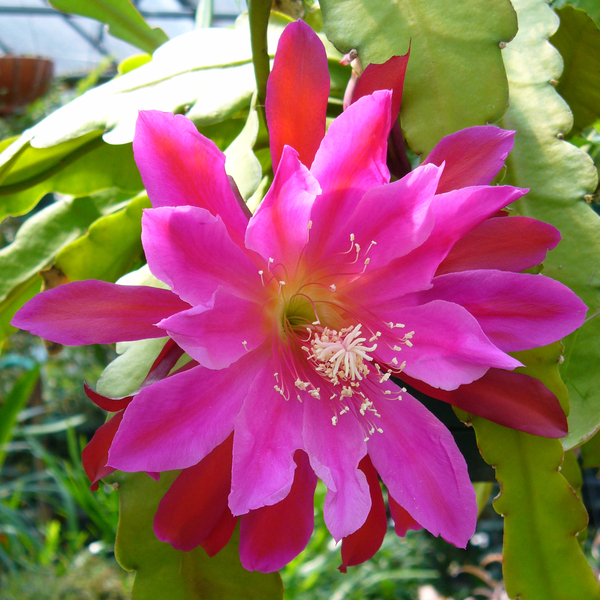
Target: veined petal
<point>97,312</point>
<point>297,93</point>
<point>191,251</point>
<point>272,536</point>
<point>516,311</point>
<point>180,167</point>
<point>424,471</point>
<point>448,347</point>
<point>196,500</point>
<point>364,542</point>
<point>506,244</point>
<point>335,452</point>
<point>268,430</point>
<point>511,399</point>
<point>219,333</point>
<point>473,156</point>
<point>280,227</point>
<point>350,161</point>
<point>176,422</point>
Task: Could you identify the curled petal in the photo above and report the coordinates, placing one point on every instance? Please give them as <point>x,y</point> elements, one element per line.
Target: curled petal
<point>272,536</point>
<point>297,93</point>
<point>96,312</point>
<point>418,461</point>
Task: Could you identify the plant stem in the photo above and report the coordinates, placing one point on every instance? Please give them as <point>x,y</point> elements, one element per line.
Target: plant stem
<point>258,13</point>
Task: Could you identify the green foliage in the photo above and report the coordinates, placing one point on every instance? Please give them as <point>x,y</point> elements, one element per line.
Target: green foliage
<point>559,176</point>
<point>455,77</point>
<point>122,18</point>
<point>161,571</point>
<point>578,41</point>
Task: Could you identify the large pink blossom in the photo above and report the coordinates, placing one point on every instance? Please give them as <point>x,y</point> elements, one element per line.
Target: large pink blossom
<point>298,316</point>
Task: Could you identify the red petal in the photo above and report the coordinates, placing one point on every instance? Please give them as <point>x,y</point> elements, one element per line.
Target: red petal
<point>402,519</point>
<point>511,399</point>
<point>219,537</point>
<point>95,454</point>
<point>507,244</point>
<point>271,536</point>
<point>387,76</point>
<point>196,500</point>
<point>297,93</point>
<point>364,543</point>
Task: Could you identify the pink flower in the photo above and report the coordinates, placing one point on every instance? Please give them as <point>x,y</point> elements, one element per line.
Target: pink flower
<point>298,315</point>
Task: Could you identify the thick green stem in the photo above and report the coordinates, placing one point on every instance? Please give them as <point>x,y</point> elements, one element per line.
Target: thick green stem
<point>258,12</point>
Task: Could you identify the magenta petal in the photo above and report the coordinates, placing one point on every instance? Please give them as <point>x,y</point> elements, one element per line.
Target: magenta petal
<point>472,156</point>
<point>516,311</point>
<point>280,227</point>
<point>196,501</point>
<point>507,244</point>
<point>350,161</point>
<point>268,430</point>
<point>218,334</point>
<point>387,76</point>
<point>418,461</point>
<point>272,536</point>
<point>180,167</point>
<point>297,93</point>
<point>335,452</point>
<point>191,251</point>
<point>96,312</point>
<point>176,422</point>
<point>448,347</point>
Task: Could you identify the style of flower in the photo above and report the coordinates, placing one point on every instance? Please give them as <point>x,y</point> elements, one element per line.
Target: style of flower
<point>299,315</point>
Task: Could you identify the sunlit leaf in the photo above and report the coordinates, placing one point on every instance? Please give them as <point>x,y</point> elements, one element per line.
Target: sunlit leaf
<point>559,177</point>
<point>14,300</point>
<point>111,247</point>
<point>455,76</point>
<point>578,41</point>
<point>161,571</point>
<point>122,18</point>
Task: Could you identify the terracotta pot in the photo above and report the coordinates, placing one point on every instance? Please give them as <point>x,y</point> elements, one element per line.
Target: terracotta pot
<point>23,79</point>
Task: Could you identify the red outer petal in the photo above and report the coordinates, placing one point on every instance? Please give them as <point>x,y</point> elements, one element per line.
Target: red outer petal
<point>219,537</point>
<point>196,500</point>
<point>364,543</point>
<point>104,402</point>
<point>402,520</point>
<point>511,399</point>
<point>271,536</point>
<point>297,93</point>
<point>388,76</point>
<point>95,454</point>
<point>507,244</point>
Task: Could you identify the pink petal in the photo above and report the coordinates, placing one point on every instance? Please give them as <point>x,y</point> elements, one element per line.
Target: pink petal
<point>350,161</point>
<point>449,348</point>
<point>334,453</point>
<point>191,251</point>
<point>280,227</point>
<point>397,217</point>
<point>180,167</point>
<point>267,433</point>
<point>297,93</point>
<point>196,500</point>
<point>511,399</point>
<point>366,541</point>
<point>176,422</point>
<point>219,333</point>
<point>402,519</point>
<point>272,536</point>
<point>387,76</point>
<point>96,312</point>
<point>95,454</point>
<point>473,156</point>
<point>507,244</point>
<point>424,471</point>
<point>516,311</point>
